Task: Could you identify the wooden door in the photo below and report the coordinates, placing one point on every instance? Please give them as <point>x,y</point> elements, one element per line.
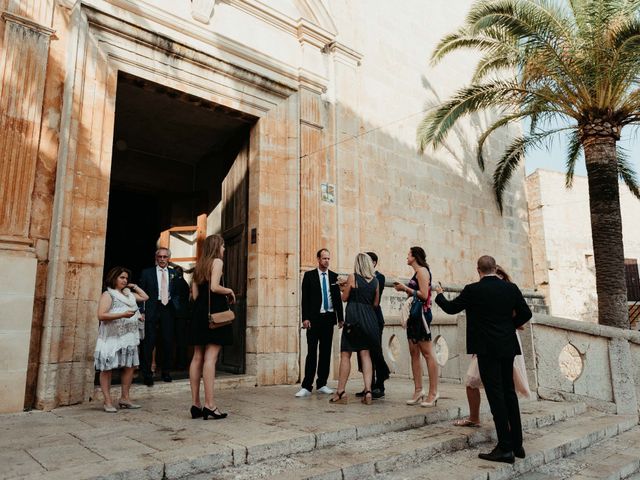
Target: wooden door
<point>235,197</point>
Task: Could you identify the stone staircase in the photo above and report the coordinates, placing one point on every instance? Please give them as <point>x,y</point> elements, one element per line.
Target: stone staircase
<point>562,440</point>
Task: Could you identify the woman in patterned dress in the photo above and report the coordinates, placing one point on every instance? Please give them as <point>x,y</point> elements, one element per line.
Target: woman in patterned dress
<point>118,335</point>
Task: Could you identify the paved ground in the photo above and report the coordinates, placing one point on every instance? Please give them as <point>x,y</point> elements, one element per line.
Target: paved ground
<point>71,442</point>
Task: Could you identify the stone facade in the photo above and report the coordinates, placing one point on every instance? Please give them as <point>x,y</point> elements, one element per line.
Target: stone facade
<point>336,89</point>
<point>561,242</point>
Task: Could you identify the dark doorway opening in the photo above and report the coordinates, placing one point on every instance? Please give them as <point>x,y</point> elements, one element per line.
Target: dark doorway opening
<point>172,156</point>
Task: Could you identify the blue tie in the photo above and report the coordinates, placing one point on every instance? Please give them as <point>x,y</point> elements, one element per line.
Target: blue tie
<point>325,297</point>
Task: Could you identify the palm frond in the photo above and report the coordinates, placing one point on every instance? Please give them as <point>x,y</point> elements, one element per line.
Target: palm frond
<point>437,123</point>
<point>573,153</point>
<point>513,155</point>
<point>627,173</point>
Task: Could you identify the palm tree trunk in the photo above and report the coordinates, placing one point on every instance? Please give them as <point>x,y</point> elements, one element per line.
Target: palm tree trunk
<point>606,230</point>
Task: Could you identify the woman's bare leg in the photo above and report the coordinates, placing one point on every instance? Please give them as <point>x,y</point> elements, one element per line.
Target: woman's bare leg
<point>474,399</point>
<point>209,374</point>
<point>416,367</point>
<point>432,367</point>
<point>367,369</point>
<point>105,386</point>
<point>195,374</point>
<point>126,377</point>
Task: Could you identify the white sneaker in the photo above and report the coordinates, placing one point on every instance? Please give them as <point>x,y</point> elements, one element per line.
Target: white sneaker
<point>303,392</point>
<point>325,390</point>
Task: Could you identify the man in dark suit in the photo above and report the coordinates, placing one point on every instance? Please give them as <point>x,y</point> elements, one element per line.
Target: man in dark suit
<point>321,310</point>
<point>495,309</point>
<point>159,311</point>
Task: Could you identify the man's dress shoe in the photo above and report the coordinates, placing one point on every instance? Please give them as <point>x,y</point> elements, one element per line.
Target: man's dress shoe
<point>498,455</point>
<point>166,377</point>
<point>148,381</point>
<point>519,452</point>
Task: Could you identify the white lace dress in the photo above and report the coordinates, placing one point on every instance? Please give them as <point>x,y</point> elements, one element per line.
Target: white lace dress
<point>118,340</point>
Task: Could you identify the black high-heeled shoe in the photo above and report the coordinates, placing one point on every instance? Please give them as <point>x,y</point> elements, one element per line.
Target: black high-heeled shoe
<point>196,412</point>
<point>215,413</point>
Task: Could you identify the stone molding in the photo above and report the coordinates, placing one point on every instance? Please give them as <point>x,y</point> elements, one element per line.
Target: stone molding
<point>122,15</point>
<point>101,21</point>
<point>344,54</point>
<point>319,24</point>
<point>588,328</point>
<point>27,23</point>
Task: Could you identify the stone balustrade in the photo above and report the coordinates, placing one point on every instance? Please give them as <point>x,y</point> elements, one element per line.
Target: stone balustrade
<point>566,359</point>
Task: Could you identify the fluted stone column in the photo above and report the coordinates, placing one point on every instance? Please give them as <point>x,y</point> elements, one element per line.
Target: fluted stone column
<point>23,67</point>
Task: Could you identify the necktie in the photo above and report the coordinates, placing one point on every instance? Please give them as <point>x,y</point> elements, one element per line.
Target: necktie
<point>325,297</point>
<point>164,289</point>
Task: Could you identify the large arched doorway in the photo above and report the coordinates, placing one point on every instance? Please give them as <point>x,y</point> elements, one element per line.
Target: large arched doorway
<point>179,171</point>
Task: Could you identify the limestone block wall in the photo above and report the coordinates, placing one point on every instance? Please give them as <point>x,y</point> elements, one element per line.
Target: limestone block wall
<point>390,197</point>
<point>561,242</point>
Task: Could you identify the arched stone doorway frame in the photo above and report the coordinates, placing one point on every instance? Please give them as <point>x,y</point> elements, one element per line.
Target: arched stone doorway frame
<point>100,45</point>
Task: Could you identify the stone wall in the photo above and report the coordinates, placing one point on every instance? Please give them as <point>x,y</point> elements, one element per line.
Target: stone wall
<point>561,242</point>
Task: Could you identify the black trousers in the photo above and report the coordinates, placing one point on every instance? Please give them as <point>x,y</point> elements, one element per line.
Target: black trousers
<point>497,378</point>
<point>379,364</point>
<point>164,318</point>
<point>319,339</point>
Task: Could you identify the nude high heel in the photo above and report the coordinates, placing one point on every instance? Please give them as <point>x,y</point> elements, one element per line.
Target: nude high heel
<point>432,403</point>
<point>417,400</point>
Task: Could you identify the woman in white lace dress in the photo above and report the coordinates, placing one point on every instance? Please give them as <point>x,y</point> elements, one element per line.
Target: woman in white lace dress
<point>118,335</point>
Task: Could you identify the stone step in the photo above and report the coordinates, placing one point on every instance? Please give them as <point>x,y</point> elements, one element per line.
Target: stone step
<point>363,457</point>
<point>240,440</point>
<point>543,446</point>
<point>611,459</point>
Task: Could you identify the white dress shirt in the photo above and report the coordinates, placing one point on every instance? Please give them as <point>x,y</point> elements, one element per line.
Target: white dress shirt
<point>322,310</point>
<point>159,271</point>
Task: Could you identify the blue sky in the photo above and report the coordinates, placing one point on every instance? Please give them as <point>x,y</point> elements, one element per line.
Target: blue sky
<point>554,159</point>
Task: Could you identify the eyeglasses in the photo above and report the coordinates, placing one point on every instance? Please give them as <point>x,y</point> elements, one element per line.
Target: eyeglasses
<point>162,256</point>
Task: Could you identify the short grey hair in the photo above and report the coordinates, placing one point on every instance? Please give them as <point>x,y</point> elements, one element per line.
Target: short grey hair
<point>164,248</point>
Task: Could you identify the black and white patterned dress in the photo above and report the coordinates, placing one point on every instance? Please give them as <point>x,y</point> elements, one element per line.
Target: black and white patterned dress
<point>118,340</point>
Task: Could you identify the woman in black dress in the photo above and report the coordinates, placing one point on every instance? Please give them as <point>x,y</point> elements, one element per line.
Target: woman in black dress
<point>209,296</point>
<point>361,330</point>
<point>419,332</point>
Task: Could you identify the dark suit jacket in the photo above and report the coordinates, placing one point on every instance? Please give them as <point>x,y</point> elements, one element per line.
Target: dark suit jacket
<point>149,283</point>
<point>312,296</point>
<point>381,279</point>
<point>491,324</point>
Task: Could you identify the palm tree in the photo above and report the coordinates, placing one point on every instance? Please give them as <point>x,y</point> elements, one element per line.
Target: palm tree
<point>571,67</point>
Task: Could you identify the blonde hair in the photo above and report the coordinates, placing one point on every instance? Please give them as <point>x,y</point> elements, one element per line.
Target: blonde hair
<point>364,266</point>
<point>210,251</point>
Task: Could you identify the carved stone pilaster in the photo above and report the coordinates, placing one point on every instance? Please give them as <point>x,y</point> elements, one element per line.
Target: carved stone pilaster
<point>23,66</point>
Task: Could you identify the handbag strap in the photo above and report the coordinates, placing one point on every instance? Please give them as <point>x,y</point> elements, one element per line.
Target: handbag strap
<point>210,292</point>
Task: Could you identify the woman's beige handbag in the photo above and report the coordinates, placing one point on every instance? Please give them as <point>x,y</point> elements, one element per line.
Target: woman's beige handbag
<point>220,319</point>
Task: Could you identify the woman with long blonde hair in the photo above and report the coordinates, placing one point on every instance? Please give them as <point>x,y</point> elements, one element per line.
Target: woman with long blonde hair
<point>209,296</point>
<point>361,330</point>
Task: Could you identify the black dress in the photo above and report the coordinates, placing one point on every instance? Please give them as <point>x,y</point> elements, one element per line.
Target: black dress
<point>417,331</point>
<point>360,311</point>
<point>199,331</point>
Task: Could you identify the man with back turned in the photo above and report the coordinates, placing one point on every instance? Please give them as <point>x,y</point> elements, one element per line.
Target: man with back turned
<point>494,310</point>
